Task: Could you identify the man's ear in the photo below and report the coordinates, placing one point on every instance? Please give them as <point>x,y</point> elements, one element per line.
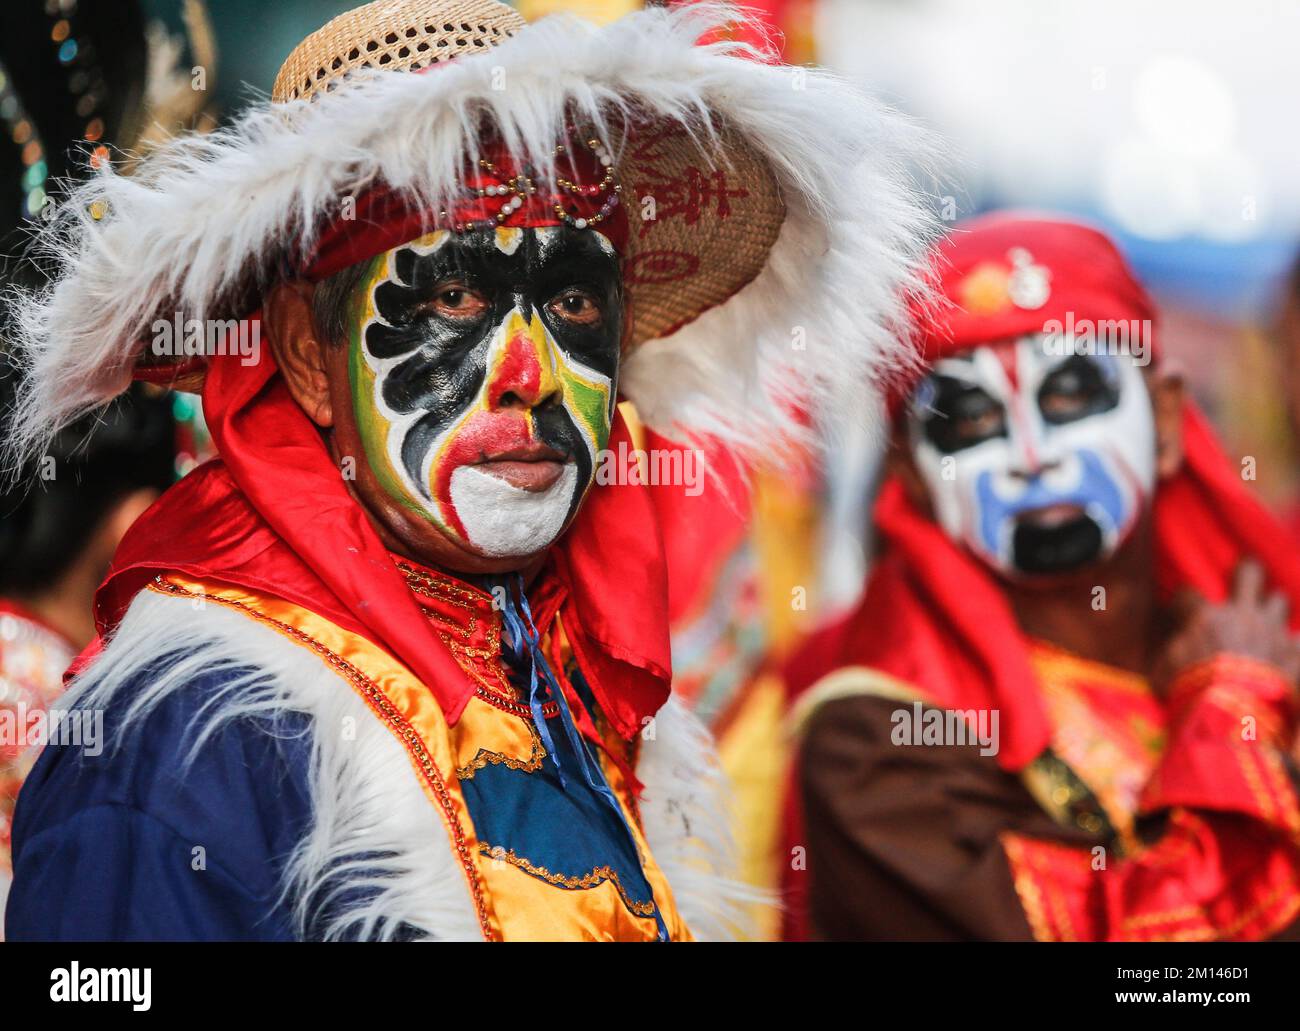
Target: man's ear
<point>298,350</point>
<point>1166,386</point>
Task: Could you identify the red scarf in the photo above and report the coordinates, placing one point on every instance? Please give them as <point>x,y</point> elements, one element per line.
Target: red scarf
<point>273,515</point>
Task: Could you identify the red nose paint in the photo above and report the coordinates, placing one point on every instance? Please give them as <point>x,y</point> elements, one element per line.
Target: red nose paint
<point>519,373</point>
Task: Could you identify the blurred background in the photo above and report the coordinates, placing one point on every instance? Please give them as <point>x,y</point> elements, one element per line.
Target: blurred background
<point>1167,122</point>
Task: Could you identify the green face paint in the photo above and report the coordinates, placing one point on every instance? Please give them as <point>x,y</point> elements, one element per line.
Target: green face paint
<point>483,370</point>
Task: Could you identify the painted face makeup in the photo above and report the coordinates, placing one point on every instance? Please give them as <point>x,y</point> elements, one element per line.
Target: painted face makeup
<point>1038,462</point>
<point>484,373</point>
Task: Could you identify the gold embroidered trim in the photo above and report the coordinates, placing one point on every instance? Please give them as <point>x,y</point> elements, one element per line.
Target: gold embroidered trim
<point>433,585</point>
<point>1042,898</point>
<point>1223,668</point>
<point>587,880</point>
<point>1283,894</point>
<point>486,757</point>
<point>1031,899</point>
<point>497,691</point>
<point>1059,662</point>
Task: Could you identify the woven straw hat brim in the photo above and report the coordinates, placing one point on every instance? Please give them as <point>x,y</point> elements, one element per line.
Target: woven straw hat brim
<point>397,35</point>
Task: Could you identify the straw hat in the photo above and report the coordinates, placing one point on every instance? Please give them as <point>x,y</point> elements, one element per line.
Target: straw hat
<point>773,230</point>
<point>676,267</point>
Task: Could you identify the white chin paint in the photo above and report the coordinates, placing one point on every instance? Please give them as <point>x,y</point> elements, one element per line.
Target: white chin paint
<point>504,521</point>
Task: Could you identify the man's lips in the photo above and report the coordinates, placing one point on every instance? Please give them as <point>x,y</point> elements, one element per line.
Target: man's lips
<point>531,467</point>
<point>533,451</point>
<point>1051,516</point>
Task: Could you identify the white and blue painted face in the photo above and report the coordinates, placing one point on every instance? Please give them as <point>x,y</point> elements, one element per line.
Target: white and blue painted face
<point>1038,459</point>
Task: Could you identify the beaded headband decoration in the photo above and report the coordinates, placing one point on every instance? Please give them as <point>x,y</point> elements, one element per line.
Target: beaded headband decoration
<point>521,186</point>
<point>497,195</point>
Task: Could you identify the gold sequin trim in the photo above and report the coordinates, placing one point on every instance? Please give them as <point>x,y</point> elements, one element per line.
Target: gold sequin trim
<point>485,757</point>
<point>588,880</point>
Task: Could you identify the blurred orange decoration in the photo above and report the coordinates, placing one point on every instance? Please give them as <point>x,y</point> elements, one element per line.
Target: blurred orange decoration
<point>790,28</point>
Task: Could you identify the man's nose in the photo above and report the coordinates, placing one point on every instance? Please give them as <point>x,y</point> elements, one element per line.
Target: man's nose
<point>1030,457</point>
<point>523,373</point>
<point>1028,463</point>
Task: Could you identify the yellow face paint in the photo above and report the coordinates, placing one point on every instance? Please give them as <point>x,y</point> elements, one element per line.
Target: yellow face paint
<point>440,398</point>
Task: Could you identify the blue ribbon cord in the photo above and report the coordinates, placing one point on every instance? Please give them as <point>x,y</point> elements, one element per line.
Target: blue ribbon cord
<point>525,648</point>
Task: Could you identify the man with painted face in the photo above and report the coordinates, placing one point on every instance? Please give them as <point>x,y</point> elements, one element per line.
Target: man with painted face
<point>476,374</point>
<point>395,666</point>
<point>1064,706</point>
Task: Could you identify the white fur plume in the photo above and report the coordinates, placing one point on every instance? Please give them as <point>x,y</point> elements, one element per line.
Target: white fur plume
<point>687,815</point>
<point>366,800</point>
<point>203,223</point>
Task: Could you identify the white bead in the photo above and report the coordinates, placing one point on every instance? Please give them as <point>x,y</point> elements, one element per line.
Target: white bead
<point>580,223</point>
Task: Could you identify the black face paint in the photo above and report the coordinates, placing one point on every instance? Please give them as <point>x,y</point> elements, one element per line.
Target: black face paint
<point>469,352</point>
<point>1077,388</point>
<point>960,415</point>
<point>1036,459</point>
<point>1056,549</point>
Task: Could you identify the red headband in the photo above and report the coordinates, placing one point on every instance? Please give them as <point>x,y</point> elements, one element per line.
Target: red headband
<point>1009,275</point>
<point>497,194</point>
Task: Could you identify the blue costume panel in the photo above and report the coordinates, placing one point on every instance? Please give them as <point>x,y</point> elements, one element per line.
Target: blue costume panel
<point>131,844</point>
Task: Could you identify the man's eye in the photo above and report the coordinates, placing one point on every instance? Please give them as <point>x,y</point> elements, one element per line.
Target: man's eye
<point>457,301</point>
<point>1074,391</point>
<point>1063,401</point>
<point>576,306</point>
<point>962,416</point>
<point>979,422</point>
